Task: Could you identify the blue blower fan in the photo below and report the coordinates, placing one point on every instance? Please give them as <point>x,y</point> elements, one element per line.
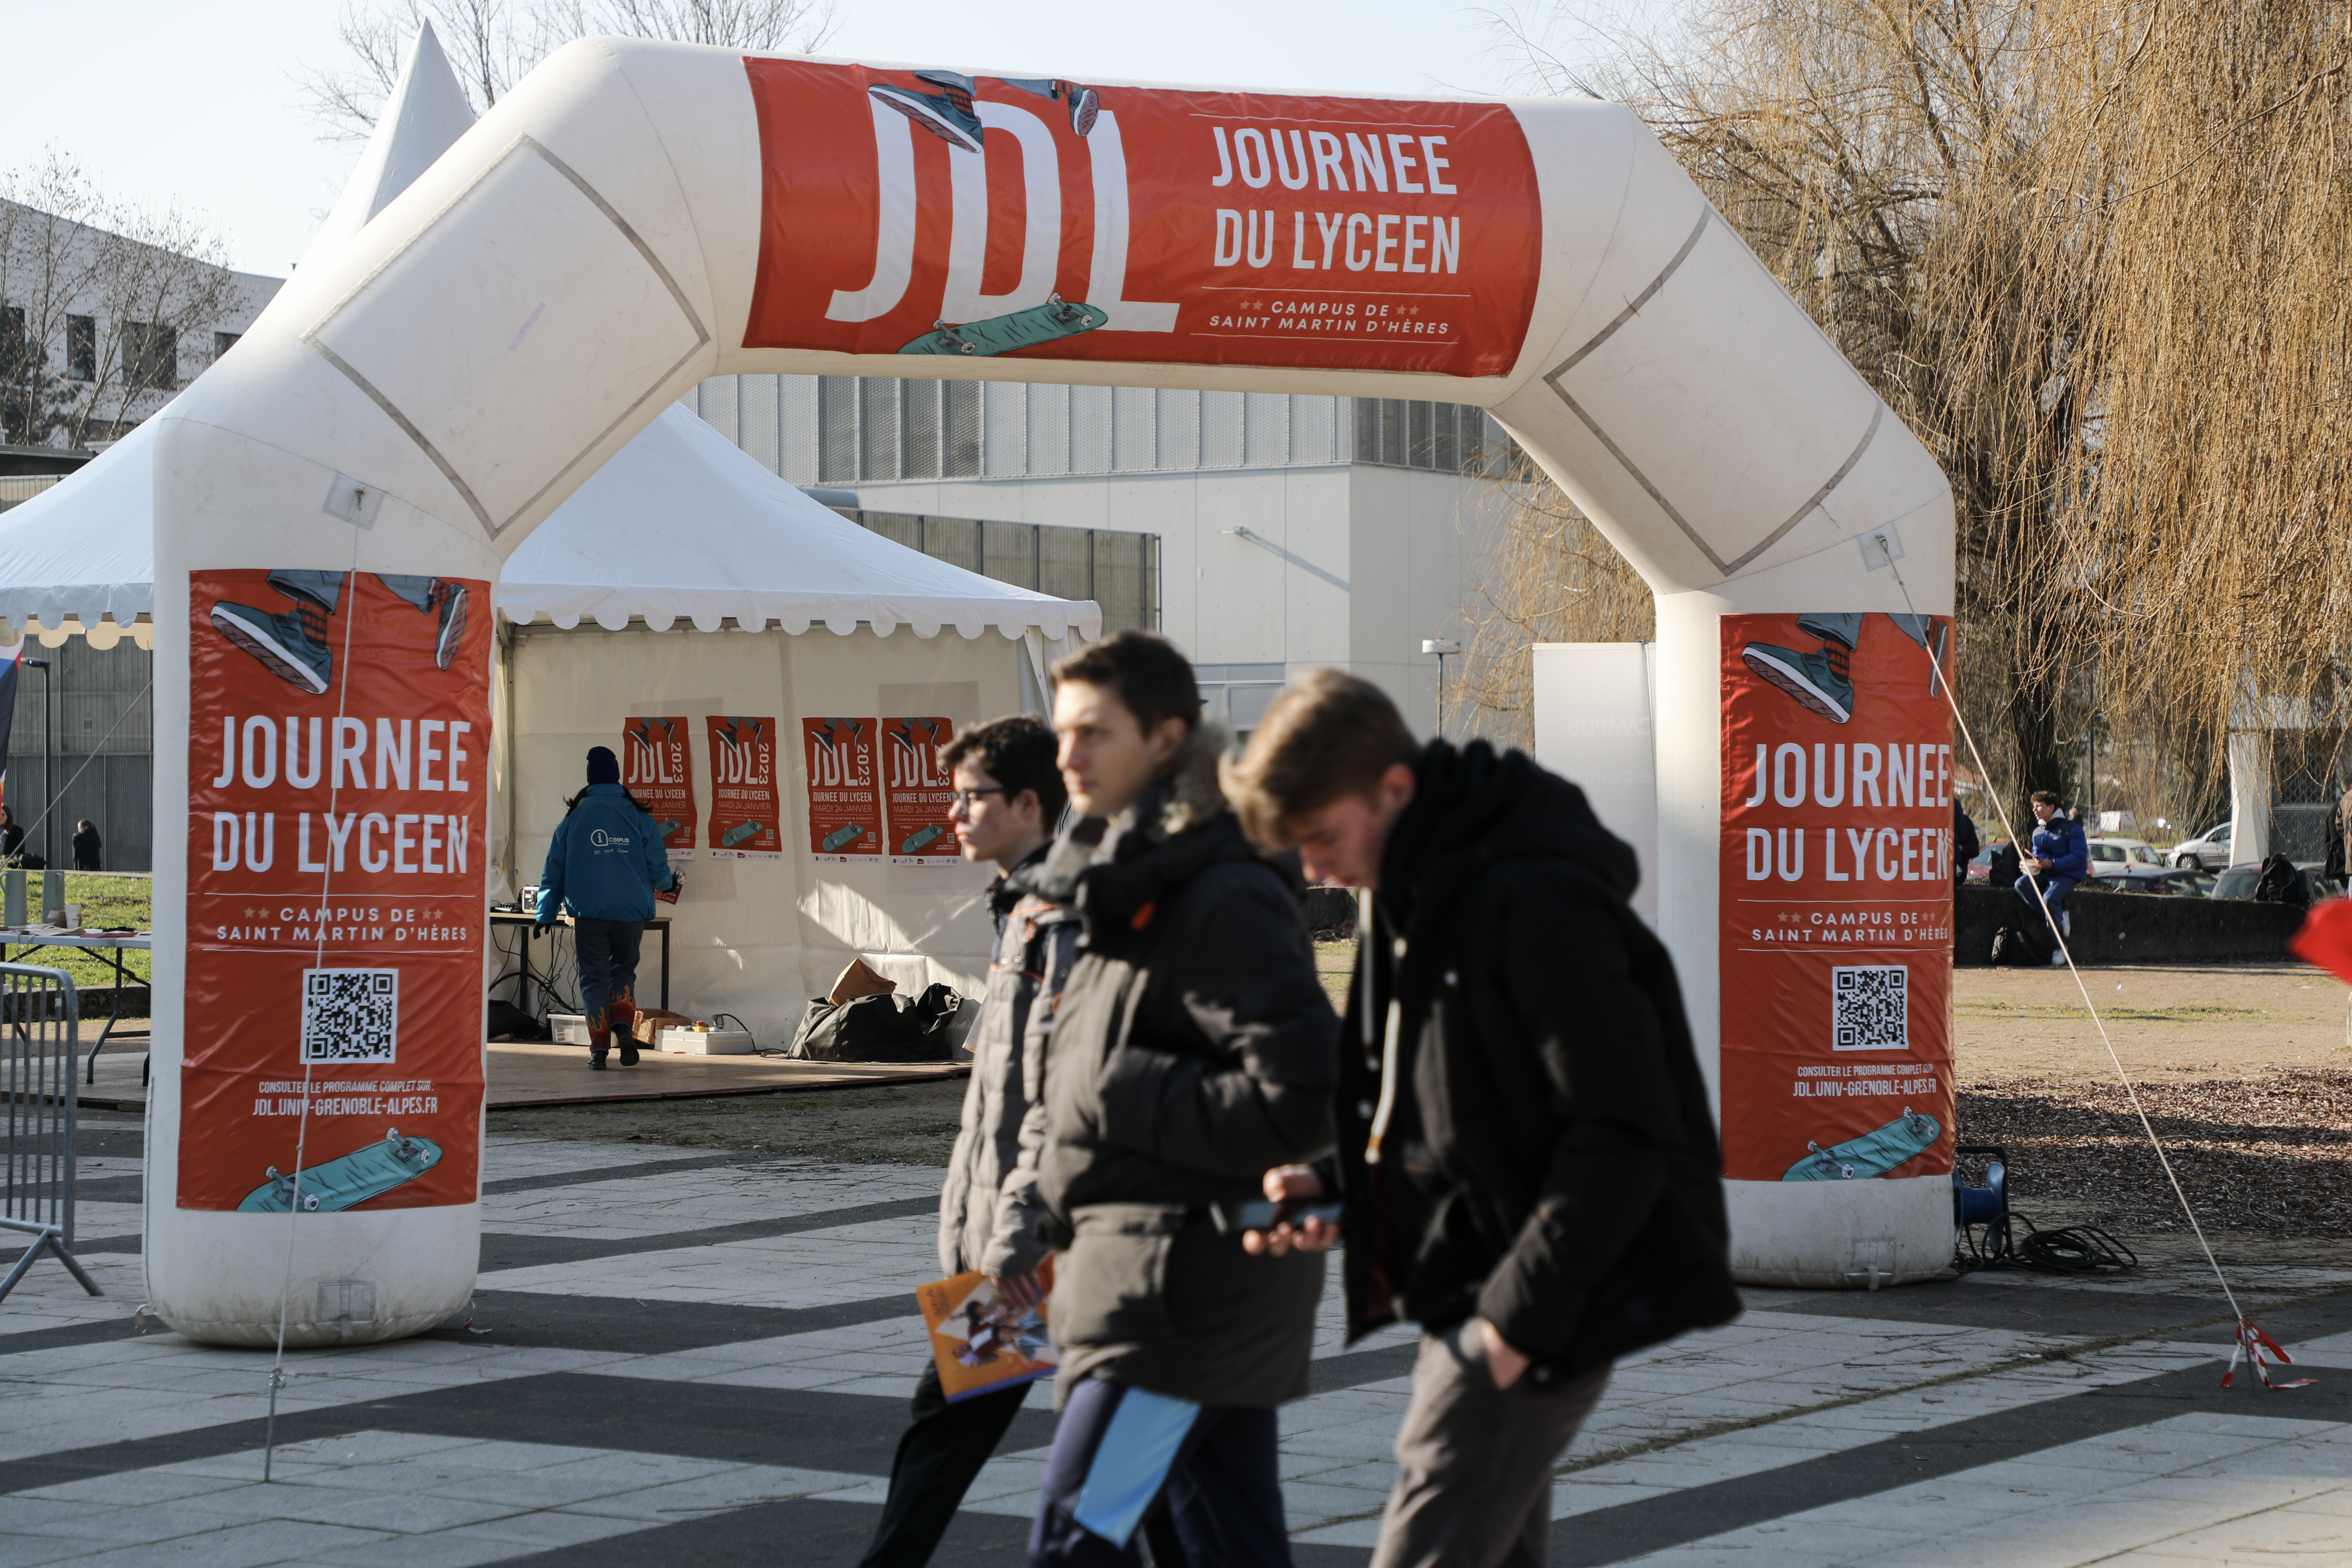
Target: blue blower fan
<point>1981,1230</point>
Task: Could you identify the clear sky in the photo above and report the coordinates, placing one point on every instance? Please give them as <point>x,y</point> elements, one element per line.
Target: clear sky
<point>198,101</point>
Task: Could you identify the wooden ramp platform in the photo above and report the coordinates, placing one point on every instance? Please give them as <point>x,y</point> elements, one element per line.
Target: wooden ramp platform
<point>537,1075</point>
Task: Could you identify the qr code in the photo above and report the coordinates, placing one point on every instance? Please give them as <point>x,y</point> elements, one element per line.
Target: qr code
<point>1870,1009</point>
<point>350,1014</point>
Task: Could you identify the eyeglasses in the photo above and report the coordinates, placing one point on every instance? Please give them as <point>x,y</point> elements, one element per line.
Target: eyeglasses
<point>968,798</point>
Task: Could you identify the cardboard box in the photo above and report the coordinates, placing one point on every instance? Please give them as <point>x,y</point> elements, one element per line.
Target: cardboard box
<point>705,1042</point>
<point>652,1021</point>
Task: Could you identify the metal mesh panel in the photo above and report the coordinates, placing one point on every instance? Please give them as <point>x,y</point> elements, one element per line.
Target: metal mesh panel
<point>1008,552</point>
<point>796,425</point>
<point>836,431</point>
<point>1421,434</point>
<point>1065,562</point>
<point>1180,430</point>
<point>953,539</point>
<point>1049,429</point>
<point>918,444</point>
<point>960,430</point>
<point>1221,430</point>
<point>897,526</point>
<point>1089,429</point>
<point>715,401</point>
<point>1265,429</point>
<point>1315,427</point>
<point>1122,585</point>
<point>1005,453</point>
<point>1368,430</point>
<point>758,432</point>
<point>878,428</point>
<point>1392,433</point>
<point>1445,454</point>
<point>1134,444</point>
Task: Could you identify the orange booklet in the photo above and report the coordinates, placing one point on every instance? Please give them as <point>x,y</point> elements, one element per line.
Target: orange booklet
<point>981,1343</point>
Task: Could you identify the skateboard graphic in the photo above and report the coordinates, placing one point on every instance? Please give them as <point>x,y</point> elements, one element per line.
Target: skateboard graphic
<point>841,835</point>
<point>920,838</point>
<point>740,832</point>
<point>664,829</point>
<point>368,1171</point>
<point>1055,319</point>
<point>1874,1154</point>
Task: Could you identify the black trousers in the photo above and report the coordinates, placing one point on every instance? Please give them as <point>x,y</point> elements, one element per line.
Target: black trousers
<point>608,951</point>
<point>938,1460</point>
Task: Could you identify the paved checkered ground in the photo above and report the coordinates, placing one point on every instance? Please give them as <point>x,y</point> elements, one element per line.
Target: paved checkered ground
<point>702,1359</point>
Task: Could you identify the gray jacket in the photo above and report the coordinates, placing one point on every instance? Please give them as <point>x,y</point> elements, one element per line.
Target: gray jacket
<point>981,1226</point>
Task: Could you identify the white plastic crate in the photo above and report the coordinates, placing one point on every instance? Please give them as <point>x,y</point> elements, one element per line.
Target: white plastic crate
<point>568,1029</point>
<point>705,1042</point>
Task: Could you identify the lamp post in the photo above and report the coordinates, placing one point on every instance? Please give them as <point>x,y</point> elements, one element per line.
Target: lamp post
<point>49,757</point>
<point>1441,646</point>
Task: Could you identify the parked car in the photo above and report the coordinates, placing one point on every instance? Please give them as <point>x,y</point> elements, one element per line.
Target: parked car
<point>2158,881</point>
<point>2115,857</point>
<point>2238,881</point>
<point>1980,866</point>
<point>2210,850</point>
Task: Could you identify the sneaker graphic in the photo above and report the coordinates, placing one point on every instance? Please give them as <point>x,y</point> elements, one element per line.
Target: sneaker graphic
<point>291,646</point>
<point>1819,679</point>
<point>947,114</point>
<point>1084,102</point>
<point>450,597</point>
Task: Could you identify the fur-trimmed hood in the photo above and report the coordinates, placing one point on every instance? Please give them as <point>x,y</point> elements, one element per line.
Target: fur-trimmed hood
<point>1109,868</point>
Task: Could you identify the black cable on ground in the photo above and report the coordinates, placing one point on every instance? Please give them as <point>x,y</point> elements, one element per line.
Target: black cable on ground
<point>2065,1249</point>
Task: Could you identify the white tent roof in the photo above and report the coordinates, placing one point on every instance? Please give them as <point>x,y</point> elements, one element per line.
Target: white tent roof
<point>680,524</point>
<point>700,531</point>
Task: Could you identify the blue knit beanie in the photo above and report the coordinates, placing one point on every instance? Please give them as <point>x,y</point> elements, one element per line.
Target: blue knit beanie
<point>603,767</point>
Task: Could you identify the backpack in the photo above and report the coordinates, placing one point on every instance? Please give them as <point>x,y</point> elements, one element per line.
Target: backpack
<point>2006,867</point>
<point>2282,883</point>
<point>2021,940</point>
<point>885,1028</point>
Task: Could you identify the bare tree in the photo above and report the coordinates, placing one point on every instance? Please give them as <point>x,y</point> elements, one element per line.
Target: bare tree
<point>493,44</point>
<point>2094,252</point>
<point>105,308</point>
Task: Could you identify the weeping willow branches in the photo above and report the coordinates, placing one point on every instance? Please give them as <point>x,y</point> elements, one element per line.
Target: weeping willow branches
<point>2099,254</point>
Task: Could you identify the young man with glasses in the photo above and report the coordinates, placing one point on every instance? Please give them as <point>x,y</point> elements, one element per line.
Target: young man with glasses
<point>1008,800</point>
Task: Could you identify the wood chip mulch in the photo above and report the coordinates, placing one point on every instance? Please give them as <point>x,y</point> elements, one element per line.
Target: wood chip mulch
<point>2269,1156</point>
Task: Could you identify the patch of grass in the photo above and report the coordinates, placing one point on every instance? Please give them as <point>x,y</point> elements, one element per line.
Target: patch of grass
<point>1335,962</point>
<point>106,898</point>
<point>908,1124</point>
<point>2186,1012</point>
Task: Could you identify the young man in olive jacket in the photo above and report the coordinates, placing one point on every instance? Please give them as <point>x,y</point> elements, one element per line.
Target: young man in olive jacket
<point>1525,1152</point>
<point>1194,1047</point>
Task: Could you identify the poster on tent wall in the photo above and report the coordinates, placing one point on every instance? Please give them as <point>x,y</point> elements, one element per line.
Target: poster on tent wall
<point>339,745</point>
<point>844,801</point>
<point>745,823</point>
<point>917,792</point>
<point>1054,220</point>
<point>1836,875</point>
<point>657,767</point>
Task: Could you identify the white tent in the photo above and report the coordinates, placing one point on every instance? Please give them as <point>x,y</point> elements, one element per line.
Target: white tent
<point>679,526</point>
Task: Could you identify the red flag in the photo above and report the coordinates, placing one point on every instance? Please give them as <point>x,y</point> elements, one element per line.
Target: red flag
<point>2326,938</point>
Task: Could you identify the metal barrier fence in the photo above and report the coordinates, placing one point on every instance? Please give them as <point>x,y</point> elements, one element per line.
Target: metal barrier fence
<point>40,1022</point>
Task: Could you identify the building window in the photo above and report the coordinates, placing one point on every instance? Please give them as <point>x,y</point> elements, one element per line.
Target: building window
<point>81,348</point>
<point>1119,571</point>
<point>224,342</point>
<point>151,357</point>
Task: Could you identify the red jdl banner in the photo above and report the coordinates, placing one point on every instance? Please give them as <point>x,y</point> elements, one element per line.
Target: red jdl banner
<point>657,767</point>
<point>744,819</point>
<point>919,793</point>
<point>932,212</point>
<point>339,748</point>
<point>844,805</point>
<point>1836,941</point>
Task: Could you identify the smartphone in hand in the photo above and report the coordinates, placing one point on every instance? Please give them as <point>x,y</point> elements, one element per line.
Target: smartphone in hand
<point>1262,1214</point>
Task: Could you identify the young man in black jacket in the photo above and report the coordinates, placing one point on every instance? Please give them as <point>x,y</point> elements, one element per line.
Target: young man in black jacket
<point>1527,1157</point>
<point>1192,1049</point>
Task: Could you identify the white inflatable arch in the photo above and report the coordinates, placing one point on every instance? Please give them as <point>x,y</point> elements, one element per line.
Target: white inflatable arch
<point>334,496</point>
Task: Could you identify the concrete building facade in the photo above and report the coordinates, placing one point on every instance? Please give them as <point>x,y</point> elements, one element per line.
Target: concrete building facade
<point>1266,533</point>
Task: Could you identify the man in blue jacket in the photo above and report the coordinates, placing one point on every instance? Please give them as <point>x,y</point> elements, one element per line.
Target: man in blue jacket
<point>607,863</point>
<point>2060,861</point>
